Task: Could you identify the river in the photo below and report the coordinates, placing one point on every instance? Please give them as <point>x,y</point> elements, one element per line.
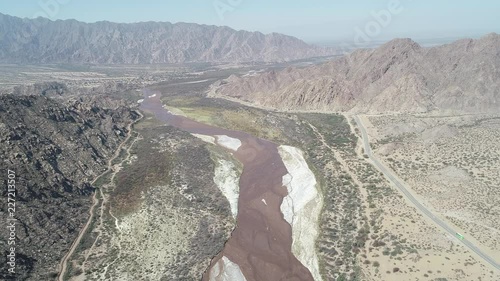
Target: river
<point>261,242</point>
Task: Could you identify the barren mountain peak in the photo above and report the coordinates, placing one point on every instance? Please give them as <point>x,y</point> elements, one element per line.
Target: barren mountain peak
<point>491,38</point>
<point>399,44</point>
<point>398,76</point>
<point>492,35</point>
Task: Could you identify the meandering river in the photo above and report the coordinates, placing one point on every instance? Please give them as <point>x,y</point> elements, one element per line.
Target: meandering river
<point>261,242</point>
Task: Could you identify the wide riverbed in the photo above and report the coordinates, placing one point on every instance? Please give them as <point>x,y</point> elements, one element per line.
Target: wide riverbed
<point>261,242</point>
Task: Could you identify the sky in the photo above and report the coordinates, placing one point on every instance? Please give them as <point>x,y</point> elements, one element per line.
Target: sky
<point>311,20</point>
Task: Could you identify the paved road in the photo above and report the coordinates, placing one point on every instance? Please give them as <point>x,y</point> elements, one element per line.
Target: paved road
<point>415,202</point>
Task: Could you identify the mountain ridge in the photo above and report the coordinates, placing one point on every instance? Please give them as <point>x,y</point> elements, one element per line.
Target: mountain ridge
<point>399,76</point>
<point>42,40</point>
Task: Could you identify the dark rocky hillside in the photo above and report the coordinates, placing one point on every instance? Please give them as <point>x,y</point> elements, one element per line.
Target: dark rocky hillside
<point>55,150</point>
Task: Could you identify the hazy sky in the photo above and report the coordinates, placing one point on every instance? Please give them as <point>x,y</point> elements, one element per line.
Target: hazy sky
<point>311,20</point>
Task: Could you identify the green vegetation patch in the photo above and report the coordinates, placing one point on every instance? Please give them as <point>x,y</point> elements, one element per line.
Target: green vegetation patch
<point>152,167</point>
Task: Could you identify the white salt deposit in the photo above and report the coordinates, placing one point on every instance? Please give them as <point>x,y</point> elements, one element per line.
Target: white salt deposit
<point>226,270</point>
<point>228,142</point>
<point>300,182</point>
<point>227,180</point>
<point>301,207</point>
<point>205,138</point>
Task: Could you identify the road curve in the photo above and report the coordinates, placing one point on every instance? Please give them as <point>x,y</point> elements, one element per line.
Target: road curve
<point>389,174</point>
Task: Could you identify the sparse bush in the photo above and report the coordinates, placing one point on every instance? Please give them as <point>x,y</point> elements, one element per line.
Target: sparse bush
<point>378,243</point>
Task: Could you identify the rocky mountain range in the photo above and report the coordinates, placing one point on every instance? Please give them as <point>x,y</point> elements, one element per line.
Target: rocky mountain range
<point>55,149</point>
<point>400,76</point>
<point>41,40</point>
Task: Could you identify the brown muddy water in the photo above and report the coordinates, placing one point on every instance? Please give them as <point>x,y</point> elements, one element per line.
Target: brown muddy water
<point>261,242</point>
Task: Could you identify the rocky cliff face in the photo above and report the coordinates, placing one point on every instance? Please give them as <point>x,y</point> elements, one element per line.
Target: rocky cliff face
<point>400,76</point>
<point>43,41</point>
<point>55,151</point>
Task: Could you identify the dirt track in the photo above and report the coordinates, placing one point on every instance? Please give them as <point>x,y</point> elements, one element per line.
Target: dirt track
<point>64,262</point>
